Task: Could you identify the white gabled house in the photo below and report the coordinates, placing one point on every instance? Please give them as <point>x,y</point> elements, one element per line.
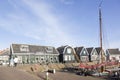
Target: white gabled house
<point>93,55</point>
<point>4,56</point>
<point>113,54</point>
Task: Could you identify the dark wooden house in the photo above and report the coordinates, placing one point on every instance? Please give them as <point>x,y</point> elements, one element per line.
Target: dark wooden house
<point>66,54</point>
<point>34,53</point>
<point>82,53</point>
<point>93,55</point>
<point>101,51</point>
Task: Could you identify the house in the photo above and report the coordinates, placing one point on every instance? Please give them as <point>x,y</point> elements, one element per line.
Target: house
<point>66,54</point>
<point>101,54</point>
<point>82,53</point>
<point>4,56</point>
<point>93,55</point>
<point>27,53</point>
<point>113,54</point>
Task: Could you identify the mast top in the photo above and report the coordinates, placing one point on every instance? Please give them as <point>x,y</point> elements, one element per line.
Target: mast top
<point>100,4</point>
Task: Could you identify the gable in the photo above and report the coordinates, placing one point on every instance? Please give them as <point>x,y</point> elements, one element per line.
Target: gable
<point>68,50</point>
<point>98,49</point>
<point>107,53</point>
<point>89,50</point>
<point>94,52</point>
<point>84,52</point>
<point>78,50</point>
<point>61,49</point>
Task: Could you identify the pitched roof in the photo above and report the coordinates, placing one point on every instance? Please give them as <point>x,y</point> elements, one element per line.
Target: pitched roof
<point>114,51</point>
<point>90,50</point>
<point>5,52</point>
<point>26,48</point>
<point>61,49</point>
<point>98,49</point>
<point>78,49</point>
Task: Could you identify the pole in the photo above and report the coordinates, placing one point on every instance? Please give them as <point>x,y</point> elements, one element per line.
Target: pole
<point>101,43</point>
<point>100,21</point>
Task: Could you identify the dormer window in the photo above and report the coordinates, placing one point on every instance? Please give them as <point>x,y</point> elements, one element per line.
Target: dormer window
<point>49,49</point>
<point>84,52</point>
<point>69,50</point>
<point>24,48</point>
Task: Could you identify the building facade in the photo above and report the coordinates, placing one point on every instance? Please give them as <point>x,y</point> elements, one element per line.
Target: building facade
<point>4,56</point>
<point>66,54</point>
<point>113,54</point>
<point>101,55</point>
<point>34,53</point>
<point>82,53</point>
<point>93,55</point>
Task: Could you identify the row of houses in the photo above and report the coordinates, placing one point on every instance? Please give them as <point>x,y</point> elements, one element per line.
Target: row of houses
<point>47,54</point>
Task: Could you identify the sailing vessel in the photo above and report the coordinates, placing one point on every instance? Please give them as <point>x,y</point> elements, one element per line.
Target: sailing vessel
<point>101,55</point>
<point>102,58</point>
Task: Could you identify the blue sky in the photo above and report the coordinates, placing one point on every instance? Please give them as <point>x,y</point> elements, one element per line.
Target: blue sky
<point>59,22</point>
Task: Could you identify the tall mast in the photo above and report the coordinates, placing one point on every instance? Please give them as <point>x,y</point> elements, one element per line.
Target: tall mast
<point>100,24</point>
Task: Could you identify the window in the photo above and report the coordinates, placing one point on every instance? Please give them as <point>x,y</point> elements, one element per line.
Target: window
<point>69,50</point>
<point>84,53</point>
<point>24,48</point>
<point>93,58</point>
<point>42,57</point>
<point>51,58</point>
<point>49,49</point>
<point>94,53</point>
<point>69,58</point>
<point>72,57</point>
<point>65,58</point>
<point>83,58</point>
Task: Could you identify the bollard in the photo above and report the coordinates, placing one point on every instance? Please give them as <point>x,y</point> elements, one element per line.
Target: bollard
<point>54,71</point>
<point>47,75</point>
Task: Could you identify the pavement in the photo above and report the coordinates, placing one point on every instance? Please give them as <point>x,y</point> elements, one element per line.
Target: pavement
<point>12,73</point>
<point>66,76</point>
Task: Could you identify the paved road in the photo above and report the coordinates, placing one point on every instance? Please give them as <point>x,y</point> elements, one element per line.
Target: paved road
<point>67,76</point>
<point>8,73</point>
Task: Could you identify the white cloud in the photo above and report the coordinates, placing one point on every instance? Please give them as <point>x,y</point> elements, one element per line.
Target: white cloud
<point>46,26</point>
<point>52,28</point>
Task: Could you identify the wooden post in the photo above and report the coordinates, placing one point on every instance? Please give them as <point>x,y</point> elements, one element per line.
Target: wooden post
<point>47,75</point>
